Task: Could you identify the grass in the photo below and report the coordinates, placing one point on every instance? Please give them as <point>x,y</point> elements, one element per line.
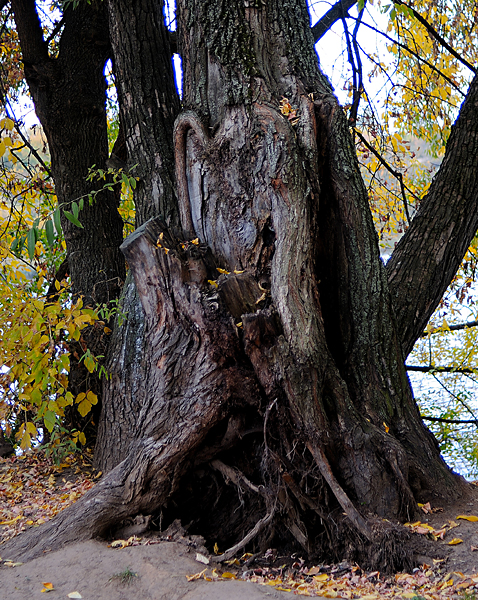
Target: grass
<point>125,577</point>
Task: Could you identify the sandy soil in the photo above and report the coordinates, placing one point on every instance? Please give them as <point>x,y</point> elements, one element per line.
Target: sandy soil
<point>94,570</point>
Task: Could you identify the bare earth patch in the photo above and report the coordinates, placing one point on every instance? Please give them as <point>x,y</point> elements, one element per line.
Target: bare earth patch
<point>146,564</point>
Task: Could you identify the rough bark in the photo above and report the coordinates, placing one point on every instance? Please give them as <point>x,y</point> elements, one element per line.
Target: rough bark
<point>69,92</point>
<point>149,104</point>
<point>274,355</point>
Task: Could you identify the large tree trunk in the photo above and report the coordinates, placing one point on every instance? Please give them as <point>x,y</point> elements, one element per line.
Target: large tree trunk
<point>274,405</point>
<point>69,92</point>
<point>149,104</point>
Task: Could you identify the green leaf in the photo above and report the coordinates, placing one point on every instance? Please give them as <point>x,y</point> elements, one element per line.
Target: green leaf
<point>75,209</point>
<point>72,219</point>
<point>56,220</point>
<point>31,240</point>
<point>49,419</point>
<point>50,234</point>
<point>81,203</point>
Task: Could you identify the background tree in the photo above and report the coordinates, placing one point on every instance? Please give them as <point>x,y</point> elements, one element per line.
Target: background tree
<point>274,338</point>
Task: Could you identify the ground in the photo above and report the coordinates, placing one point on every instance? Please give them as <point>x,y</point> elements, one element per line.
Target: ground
<point>173,566</point>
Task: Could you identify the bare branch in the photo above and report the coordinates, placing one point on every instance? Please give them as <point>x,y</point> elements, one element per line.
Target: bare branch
<point>457,421</point>
<point>334,14</point>
<point>414,54</point>
<point>431,369</point>
<point>457,327</point>
<point>392,171</point>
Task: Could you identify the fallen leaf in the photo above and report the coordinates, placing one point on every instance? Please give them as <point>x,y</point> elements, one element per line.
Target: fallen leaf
<point>455,541</point>
<point>468,518</point>
<point>48,585</point>
<point>74,595</point>
<point>196,576</point>
<point>202,559</point>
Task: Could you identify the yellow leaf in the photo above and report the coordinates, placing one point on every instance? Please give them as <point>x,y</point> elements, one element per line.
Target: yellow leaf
<point>321,577</point>
<point>7,123</point>
<point>92,397</point>
<point>84,407</point>
<point>468,518</point>
<point>195,241</point>
<point>216,549</point>
<point>455,541</point>
<point>228,575</point>
<point>47,586</point>
<point>196,576</point>
<point>11,520</point>
<point>387,428</point>
<point>223,271</point>
<point>214,283</point>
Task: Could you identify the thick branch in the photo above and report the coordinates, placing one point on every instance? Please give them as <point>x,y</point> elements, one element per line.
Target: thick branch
<point>34,48</point>
<point>429,254</point>
<point>333,15</point>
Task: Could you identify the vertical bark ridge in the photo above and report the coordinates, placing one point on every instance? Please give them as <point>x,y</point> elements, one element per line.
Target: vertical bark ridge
<point>149,103</point>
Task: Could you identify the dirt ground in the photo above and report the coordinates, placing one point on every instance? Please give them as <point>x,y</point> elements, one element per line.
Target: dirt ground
<point>97,572</point>
<point>150,565</point>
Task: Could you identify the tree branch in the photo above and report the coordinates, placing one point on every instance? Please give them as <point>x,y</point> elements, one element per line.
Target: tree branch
<point>334,14</point>
<point>34,48</point>
<point>430,369</point>
<point>457,421</point>
<point>391,170</point>
<point>457,327</point>
<point>429,254</point>
<point>433,32</point>
<point>413,53</point>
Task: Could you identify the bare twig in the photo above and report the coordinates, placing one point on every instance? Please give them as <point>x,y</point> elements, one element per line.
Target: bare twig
<point>391,170</point>
<point>235,476</point>
<point>414,54</point>
<point>455,421</point>
<point>258,527</point>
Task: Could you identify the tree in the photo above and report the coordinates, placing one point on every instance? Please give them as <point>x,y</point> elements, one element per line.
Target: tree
<point>261,391</point>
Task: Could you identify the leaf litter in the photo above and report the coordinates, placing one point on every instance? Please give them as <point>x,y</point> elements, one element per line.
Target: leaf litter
<point>33,489</point>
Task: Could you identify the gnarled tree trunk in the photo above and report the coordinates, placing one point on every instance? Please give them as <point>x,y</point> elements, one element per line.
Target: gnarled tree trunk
<point>274,391</point>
